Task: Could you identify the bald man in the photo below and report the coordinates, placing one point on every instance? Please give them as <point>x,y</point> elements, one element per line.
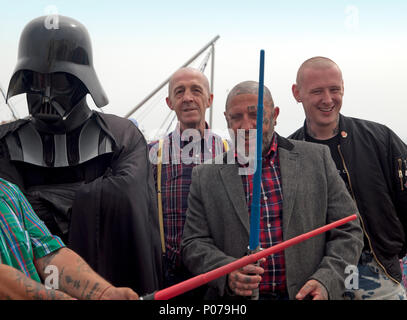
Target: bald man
<point>296,197</point>
<point>190,144</point>
<point>371,159</point>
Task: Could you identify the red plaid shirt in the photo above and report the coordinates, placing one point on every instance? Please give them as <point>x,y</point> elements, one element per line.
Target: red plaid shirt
<point>175,184</point>
<point>271,209</point>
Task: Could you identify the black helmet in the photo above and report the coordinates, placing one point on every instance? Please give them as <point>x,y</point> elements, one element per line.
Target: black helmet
<point>64,47</point>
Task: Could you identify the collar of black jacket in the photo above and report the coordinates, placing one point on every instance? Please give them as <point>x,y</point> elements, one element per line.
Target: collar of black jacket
<point>284,143</point>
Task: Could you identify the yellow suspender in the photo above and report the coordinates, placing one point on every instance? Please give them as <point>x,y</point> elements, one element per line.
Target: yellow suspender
<point>225,145</point>
<point>160,204</point>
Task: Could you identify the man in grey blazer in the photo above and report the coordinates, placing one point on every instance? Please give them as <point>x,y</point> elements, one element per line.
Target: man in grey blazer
<point>301,191</point>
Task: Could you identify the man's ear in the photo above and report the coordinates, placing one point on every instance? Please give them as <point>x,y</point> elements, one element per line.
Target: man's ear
<point>226,118</point>
<point>210,100</point>
<point>169,104</point>
<point>296,92</point>
<point>276,113</point>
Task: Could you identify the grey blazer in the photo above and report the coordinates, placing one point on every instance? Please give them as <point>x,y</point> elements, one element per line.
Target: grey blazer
<point>217,228</point>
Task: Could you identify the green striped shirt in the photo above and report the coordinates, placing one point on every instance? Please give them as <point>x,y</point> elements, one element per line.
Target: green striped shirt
<point>23,236</point>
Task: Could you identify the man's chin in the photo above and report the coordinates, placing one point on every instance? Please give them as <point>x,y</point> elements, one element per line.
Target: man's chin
<point>191,123</point>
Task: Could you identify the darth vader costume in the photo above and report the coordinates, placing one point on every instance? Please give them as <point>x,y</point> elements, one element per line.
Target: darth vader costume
<point>86,173</point>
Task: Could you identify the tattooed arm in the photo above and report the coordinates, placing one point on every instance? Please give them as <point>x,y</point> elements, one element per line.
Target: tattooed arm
<point>77,278</point>
<point>15,285</point>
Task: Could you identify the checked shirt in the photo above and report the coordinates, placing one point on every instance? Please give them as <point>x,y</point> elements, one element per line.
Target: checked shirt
<point>271,208</point>
<point>23,236</point>
<point>176,180</point>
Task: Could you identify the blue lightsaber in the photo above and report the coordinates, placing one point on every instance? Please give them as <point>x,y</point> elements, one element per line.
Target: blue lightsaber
<point>255,206</point>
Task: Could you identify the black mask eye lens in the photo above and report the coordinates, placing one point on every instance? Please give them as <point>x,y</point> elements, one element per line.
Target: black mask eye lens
<point>27,77</point>
<point>36,82</point>
<point>28,81</point>
<point>61,81</point>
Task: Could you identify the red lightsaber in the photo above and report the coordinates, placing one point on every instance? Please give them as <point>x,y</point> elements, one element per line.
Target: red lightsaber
<point>201,279</point>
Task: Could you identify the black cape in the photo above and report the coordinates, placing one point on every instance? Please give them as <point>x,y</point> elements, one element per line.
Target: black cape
<point>113,220</point>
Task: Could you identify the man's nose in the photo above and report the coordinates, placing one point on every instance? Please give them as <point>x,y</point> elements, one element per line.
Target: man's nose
<point>187,96</point>
<point>248,123</point>
<point>327,97</point>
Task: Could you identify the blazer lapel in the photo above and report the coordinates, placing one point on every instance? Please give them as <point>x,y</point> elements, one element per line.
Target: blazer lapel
<point>289,167</point>
<point>234,188</point>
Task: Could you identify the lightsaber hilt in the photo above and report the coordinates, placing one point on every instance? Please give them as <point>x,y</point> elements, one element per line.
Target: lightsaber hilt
<point>150,296</point>
<point>255,292</point>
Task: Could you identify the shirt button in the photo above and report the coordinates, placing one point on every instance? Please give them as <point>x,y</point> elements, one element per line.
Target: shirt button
<point>269,225</point>
<point>265,198</point>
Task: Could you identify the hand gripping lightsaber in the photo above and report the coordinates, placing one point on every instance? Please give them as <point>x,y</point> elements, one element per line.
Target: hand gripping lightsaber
<point>204,278</point>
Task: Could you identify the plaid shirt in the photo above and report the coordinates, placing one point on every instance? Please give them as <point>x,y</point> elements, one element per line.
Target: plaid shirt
<point>175,183</point>
<point>23,236</point>
<point>271,208</point>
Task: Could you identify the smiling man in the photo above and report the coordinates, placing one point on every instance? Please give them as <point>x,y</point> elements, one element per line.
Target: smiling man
<point>371,159</point>
<point>320,89</point>
<point>189,96</point>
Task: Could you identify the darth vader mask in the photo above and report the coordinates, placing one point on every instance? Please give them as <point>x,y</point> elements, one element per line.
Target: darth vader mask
<point>52,97</point>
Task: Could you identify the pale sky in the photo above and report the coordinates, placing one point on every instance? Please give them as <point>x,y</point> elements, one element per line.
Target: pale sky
<point>138,44</point>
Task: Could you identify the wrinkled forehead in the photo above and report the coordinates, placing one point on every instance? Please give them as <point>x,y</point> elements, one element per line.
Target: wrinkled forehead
<point>246,103</point>
<point>188,77</point>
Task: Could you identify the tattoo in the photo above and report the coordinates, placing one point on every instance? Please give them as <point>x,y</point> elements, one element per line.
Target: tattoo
<point>36,290</point>
<point>76,284</point>
<point>48,258</point>
<point>83,291</point>
<point>309,131</point>
<point>91,293</point>
<point>336,129</point>
<point>312,134</point>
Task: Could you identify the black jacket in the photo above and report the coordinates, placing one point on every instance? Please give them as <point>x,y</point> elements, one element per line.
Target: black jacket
<point>375,159</point>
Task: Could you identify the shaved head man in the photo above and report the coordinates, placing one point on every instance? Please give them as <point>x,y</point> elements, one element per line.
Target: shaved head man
<point>320,89</point>
<point>372,161</point>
